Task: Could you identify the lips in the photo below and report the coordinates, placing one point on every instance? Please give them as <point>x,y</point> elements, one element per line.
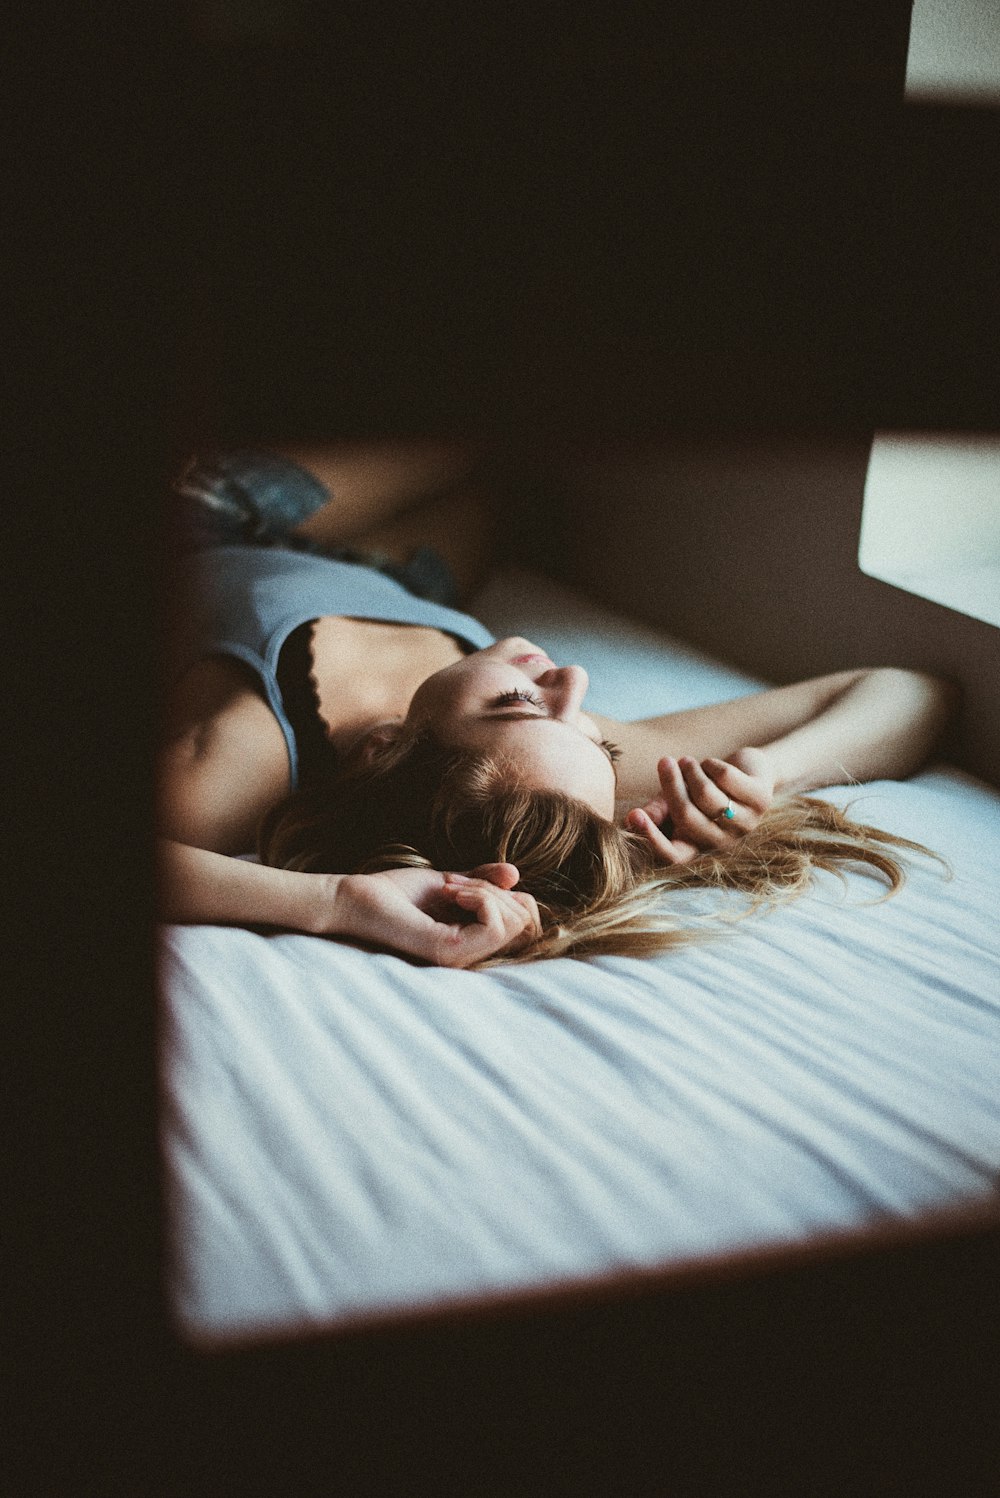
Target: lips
<point>536,657</point>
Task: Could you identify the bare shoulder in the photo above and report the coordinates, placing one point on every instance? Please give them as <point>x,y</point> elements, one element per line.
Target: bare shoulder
<point>224,761</point>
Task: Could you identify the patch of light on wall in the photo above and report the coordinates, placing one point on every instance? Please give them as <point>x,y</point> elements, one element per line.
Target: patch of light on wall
<point>954,55</point>
<point>931,518</point>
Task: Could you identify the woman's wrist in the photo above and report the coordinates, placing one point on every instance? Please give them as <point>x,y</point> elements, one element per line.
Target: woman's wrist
<point>881,726</point>
<point>317,903</point>
<point>762,764</point>
<point>285,898</point>
<point>788,772</point>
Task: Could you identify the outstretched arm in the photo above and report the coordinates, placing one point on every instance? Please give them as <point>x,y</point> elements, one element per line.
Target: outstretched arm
<point>452,920</point>
<point>724,764</point>
<point>852,725</point>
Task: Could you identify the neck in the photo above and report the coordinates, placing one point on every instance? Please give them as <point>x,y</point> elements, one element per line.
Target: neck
<point>367,671</point>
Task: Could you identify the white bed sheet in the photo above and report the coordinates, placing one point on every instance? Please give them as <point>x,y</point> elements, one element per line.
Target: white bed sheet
<point>347,1134</point>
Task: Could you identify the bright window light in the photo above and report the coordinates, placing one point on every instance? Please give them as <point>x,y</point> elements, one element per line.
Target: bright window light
<point>954,55</point>
<point>931,518</point>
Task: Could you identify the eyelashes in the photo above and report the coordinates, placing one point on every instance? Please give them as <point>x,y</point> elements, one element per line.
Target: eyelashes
<point>507,699</point>
<point>520,694</point>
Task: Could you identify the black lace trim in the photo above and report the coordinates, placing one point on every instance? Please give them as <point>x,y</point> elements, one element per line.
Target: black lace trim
<point>300,699</point>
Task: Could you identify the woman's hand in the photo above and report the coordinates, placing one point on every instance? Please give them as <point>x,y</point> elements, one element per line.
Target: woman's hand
<point>704,805</point>
<point>450,920</point>
<point>453,920</point>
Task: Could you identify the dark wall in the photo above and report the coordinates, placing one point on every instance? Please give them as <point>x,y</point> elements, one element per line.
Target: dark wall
<point>517,219</point>
<point>940,317</point>
<point>757,520</point>
<point>748,548</point>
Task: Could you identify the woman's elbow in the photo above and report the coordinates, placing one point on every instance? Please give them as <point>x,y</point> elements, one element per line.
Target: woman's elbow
<point>929,705</point>
<point>941,694</point>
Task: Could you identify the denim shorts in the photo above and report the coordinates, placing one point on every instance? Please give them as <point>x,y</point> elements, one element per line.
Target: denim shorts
<point>245,498</point>
<point>249,497</point>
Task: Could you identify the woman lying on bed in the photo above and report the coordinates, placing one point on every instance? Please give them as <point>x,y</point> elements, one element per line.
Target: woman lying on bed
<point>413,784</point>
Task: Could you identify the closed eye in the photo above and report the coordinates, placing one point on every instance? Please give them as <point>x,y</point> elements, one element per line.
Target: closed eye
<point>512,698</point>
<point>519,694</point>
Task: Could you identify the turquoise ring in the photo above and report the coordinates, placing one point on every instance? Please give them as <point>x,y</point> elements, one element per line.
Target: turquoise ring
<point>726,814</point>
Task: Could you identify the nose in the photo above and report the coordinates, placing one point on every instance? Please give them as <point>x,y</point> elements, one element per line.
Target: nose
<point>566,687</point>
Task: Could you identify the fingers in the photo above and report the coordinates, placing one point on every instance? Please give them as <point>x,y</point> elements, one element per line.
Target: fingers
<point>703,792</point>
<point>746,789</point>
<point>531,927</point>
<point>688,808</point>
<point>508,915</point>
<point>503,875</point>
<point>657,810</point>
<point>688,813</point>
<point>502,921</point>
<point>667,850</point>
<point>692,802</point>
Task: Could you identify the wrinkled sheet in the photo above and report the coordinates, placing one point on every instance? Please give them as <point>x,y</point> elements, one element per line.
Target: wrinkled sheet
<point>348,1134</point>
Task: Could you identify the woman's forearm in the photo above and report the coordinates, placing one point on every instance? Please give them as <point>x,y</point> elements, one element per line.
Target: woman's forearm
<point>882,726</point>
<point>851,725</point>
<point>452,920</point>
<point>197,886</point>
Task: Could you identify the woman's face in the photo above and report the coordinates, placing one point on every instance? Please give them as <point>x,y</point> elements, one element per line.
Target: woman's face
<point>511,699</point>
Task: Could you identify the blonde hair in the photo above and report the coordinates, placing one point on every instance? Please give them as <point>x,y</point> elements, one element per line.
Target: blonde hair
<point>598,886</point>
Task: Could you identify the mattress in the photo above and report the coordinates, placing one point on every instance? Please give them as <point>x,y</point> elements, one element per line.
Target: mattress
<point>348,1135</point>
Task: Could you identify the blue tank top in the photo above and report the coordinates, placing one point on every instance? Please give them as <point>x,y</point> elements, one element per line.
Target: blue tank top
<point>247,600</point>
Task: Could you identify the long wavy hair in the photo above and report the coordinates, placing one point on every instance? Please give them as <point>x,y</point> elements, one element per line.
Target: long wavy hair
<point>599,889</point>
